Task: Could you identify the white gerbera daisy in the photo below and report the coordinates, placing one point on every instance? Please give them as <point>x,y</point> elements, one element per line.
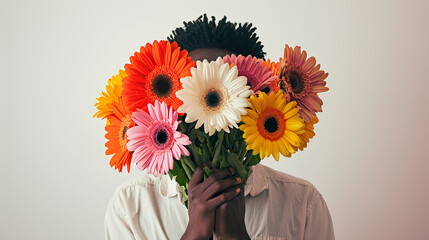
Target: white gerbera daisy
<point>214,95</point>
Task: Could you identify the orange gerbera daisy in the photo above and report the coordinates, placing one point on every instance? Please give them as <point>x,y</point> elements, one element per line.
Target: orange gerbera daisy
<point>303,80</point>
<point>113,89</point>
<point>154,74</point>
<point>275,68</point>
<point>120,121</point>
<point>308,134</point>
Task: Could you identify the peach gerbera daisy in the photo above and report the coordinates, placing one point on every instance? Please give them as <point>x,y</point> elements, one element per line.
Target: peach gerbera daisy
<point>154,74</point>
<point>119,122</point>
<point>303,80</point>
<point>258,76</point>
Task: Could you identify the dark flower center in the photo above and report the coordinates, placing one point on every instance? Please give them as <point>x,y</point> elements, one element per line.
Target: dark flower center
<point>296,83</point>
<point>271,124</point>
<point>124,132</point>
<point>162,85</point>
<point>162,136</point>
<point>213,99</point>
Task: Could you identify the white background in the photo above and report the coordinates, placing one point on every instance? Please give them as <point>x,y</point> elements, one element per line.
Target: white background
<point>368,159</point>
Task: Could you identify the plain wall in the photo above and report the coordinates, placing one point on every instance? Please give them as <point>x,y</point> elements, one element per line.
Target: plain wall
<point>368,158</point>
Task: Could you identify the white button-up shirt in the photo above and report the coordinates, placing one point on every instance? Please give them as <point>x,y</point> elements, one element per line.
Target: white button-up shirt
<point>278,206</point>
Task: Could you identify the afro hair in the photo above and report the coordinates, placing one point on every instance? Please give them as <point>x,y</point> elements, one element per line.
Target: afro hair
<point>202,33</point>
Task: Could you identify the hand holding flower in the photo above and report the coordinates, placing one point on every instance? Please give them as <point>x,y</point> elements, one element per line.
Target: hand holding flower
<point>204,198</point>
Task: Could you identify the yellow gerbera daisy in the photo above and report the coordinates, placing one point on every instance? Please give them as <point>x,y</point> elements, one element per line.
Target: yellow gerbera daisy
<point>272,126</point>
<point>308,134</point>
<point>114,89</point>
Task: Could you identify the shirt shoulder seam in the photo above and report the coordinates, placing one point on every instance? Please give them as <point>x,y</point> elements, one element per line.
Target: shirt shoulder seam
<point>316,196</point>
<point>140,181</point>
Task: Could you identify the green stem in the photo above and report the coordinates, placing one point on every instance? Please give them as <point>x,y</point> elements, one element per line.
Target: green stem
<point>188,171</point>
<point>248,157</point>
<point>190,163</point>
<point>242,151</point>
<point>218,148</point>
<point>195,154</point>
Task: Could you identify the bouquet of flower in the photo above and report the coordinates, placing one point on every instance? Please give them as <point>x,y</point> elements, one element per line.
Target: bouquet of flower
<point>169,114</point>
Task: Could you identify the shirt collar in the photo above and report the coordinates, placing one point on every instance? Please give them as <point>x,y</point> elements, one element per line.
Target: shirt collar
<point>168,187</point>
<point>256,183</point>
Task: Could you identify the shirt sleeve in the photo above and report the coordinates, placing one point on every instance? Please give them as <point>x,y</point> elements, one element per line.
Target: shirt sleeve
<point>318,225</point>
<point>116,225</point>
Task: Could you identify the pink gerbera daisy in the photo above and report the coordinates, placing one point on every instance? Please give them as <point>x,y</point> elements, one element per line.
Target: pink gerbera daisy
<point>258,76</point>
<point>302,80</point>
<point>155,140</point>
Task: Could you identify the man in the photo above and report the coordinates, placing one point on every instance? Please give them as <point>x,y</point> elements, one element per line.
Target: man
<point>273,205</point>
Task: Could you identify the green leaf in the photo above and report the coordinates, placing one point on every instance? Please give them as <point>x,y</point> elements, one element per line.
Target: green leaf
<point>236,164</point>
<point>213,139</point>
<point>179,173</point>
<point>231,135</point>
<point>190,163</point>
<point>242,150</point>
<point>224,162</point>
<point>248,157</point>
<point>239,135</point>
<point>176,169</point>
<point>255,159</point>
<point>236,148</point>
<point>192,125</point>
<point>200,136</point>
<point>217,163</point>
<point>207,172</point>
<point>217,151</point>
<point>205,153</point>
<point>192,136</point>
<point>195,154</point>
<point>209,146</point>
<point>185,194</point>
<point>183,127</point>
<point>227,143</point>
<point>248,171</point>
<point>185,167</point>
<point>221,134</point>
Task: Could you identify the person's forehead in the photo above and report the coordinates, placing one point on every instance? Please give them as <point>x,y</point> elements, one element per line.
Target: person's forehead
<point>210,54</point>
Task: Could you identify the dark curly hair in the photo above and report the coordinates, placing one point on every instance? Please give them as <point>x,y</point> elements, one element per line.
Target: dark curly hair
<point>202,33</point>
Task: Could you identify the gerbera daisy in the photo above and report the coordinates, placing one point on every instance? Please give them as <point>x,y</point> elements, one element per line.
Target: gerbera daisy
<point>303,81</point>
<point>214,95</point>
<point>155,140</point>
<point>154,74</point>
<point>272,126</point>
<point>275,68</point>
<point>308,134</point>
<point>119,122</point>
<point>258,76</point>
<point>113,89</point>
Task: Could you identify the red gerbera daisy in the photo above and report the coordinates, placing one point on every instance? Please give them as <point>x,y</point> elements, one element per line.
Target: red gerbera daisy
<point>303,81</point>
<point>154,74</point>
<point>120,121</point>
